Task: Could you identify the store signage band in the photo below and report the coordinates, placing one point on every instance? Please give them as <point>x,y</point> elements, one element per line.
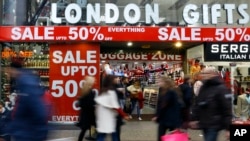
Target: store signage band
<point>190,13</point>
<point>227,51</point>
<point>121,33</point>
<point>140,57</point>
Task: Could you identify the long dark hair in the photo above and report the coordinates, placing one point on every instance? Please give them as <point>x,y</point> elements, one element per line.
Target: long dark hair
<point>108,83</point>
<point>169,84</point>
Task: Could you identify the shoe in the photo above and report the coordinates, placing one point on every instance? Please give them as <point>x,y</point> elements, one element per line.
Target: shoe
<point>130,117</point>
<point>139,118</point>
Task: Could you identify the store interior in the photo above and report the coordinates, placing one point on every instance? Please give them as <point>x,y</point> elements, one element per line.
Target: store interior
<point>37,58</point>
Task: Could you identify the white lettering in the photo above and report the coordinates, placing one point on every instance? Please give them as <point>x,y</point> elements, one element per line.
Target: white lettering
<point>94,13</point>
<point>190,15</point>
<point>64,118</point>
<point>240,132</point>
<point>242,9</point>
<point>91,56</point>
<point>73,13</point>
<point>136,13</point>
<point>154,14</point>
<point>108,8</point>
<point>229,12</point>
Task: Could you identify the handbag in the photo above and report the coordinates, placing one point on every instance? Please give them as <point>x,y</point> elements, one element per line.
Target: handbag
<point>175,135</point>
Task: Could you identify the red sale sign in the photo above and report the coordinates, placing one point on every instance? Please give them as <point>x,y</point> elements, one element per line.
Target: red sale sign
<point>69,63</point>
<point>123,33</point>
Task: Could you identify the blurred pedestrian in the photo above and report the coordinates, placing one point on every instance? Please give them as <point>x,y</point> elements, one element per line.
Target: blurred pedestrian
<point>29,116</point>
<point>187,97</point>
<point>120,91</point>
<point>212,111</point>
<point>107,109</point>
<point>168,110</point>
<point>87,105</point>
<point>127,102</point>
<point>136,98</point>
<point>5,118</point>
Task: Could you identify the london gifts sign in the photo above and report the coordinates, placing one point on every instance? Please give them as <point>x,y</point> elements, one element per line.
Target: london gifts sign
<point>192,13</point>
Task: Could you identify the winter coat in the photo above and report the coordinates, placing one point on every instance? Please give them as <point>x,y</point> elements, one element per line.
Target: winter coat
<point>187,94</point>
<point>106,115</point>
<point>29,118</point>
<point>168,110</point>
<point>87,112</point>
<point>5,119</point>
<point>213,107</point>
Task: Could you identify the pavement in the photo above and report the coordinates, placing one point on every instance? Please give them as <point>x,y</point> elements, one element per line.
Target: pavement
<point>133,130</point>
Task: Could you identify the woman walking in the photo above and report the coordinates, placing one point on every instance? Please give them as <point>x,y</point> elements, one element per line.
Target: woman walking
<point>107,109</point>
<point>168,111</point>
<point>87,105</point>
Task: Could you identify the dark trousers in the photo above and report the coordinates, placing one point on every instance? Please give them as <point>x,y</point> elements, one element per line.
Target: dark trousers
<point>102,136</point>
<point>82,133</point>
<point>119,123</point>
<point>162,130</point>
<point>6,137</point>
<point>210,134</point>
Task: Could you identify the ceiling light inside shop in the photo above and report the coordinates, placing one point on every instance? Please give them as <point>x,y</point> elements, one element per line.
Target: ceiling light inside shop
<point>129,44</point>
<point>178,44</point>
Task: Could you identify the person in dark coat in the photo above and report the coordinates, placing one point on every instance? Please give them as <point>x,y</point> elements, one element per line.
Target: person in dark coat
<point>29,116</point>
<point>168,110</point>
<point>5,118</point>
<point>187,97</point>
<point>212,110</point>
<point>87,105</point>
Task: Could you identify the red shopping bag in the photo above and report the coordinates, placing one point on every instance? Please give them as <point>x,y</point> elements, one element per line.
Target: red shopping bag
<point>176,135</point>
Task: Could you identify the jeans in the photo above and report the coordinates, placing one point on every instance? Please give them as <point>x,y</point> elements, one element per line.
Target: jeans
<point>135,104</point>
<point>122,103</point>
<point>210,134</point>
<point>102,136</point>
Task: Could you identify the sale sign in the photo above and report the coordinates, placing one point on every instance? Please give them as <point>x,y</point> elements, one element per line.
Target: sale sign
<point>69,63</point>
<point>123,33</point>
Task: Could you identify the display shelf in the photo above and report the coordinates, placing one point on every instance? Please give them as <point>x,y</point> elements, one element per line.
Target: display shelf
<point>44,76</point>
<point>37,67</point>
<point>150,95</point>
<point>146,97</point>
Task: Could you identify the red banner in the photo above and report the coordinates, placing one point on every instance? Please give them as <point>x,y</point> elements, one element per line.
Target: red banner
<point>69,63</point>
<point>123,33</point>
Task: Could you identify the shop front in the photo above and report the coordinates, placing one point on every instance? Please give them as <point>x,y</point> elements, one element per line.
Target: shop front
<point>66,50</point>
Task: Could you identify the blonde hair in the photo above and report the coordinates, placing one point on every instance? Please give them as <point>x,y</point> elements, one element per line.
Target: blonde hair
<point>169,83</point>
<point>87,85</point>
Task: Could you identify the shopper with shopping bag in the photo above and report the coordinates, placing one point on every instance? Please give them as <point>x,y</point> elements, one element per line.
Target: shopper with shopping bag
<point>168,110</point>
<point>176,135</point>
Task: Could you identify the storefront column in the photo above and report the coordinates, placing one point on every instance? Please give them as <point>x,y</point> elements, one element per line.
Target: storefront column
<point>21,13</point>
<point>1,70</point>
<point>1,14</point>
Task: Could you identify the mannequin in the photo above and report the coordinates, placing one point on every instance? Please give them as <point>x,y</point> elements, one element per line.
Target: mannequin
<point>243,105</point>
<point>195,67</point>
